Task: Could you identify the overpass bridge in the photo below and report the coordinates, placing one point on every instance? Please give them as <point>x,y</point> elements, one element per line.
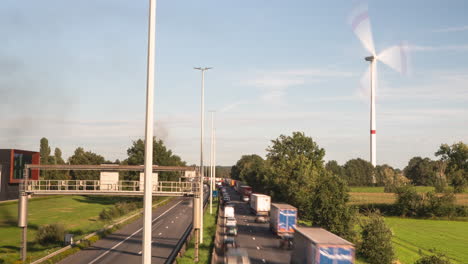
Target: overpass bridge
<point>98,187</point>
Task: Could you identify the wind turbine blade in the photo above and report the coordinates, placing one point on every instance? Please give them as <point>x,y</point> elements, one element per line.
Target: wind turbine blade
<point>396,57</point>
<point>360,23</point>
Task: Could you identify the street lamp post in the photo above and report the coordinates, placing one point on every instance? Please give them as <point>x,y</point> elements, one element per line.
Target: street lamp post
<point>202,172</point>
<point>211,162</point>
<point>148,195</point>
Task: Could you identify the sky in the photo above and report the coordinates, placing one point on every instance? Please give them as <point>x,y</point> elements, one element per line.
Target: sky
<point>75,73</point>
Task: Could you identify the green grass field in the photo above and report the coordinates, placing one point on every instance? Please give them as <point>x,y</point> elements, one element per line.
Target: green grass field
<point>79,215</point>
<point>412,235</point>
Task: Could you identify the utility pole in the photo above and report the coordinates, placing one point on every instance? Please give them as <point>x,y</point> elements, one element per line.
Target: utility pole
<point>23,215</point>
<point>202,170</point>
<point>148,192</point>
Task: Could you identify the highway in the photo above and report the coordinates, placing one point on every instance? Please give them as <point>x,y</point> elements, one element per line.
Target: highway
<point>259,241</point>
<point>124,246</point>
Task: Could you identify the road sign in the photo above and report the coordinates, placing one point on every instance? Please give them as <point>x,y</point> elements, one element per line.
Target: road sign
<point>215,193</point>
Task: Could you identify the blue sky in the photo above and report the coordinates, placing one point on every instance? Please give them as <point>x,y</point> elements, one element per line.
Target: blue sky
<point>74,72</point>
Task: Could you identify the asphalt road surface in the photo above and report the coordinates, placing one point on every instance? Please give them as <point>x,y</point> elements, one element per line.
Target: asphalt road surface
<point>124,246</point>
<point>257,238</point>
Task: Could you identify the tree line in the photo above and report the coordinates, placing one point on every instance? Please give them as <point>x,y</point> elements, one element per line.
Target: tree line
<point>135,156</point>
<point>451,169</point>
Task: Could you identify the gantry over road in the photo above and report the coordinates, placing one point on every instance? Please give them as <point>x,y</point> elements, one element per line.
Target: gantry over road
<point>98,187</point>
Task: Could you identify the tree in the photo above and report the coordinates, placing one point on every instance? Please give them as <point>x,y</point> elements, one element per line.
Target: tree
<point>82,157</point>
<point>161,156</point>
<point>389,177</point>
<point>45,156</point>
<point>358,172</point>
<point>456,157</point>
<point>328,206</point>
<point>293,164</point>
<point>58,160</point>
<point>333,167</point>
<point>422,171</point>
<point>58,157</point>
<point>251,169</point>
<point>376,245</point>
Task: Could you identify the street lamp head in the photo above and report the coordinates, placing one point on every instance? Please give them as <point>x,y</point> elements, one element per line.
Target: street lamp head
<point>202,69</point>
<point>370,58</point>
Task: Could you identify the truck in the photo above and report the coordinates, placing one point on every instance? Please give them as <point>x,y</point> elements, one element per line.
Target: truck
<point>238,185</point>
<point>317,245</point>
<point>260,203</point>
<point>283,218</point>
<point>245,192</point>
<point>229,211</point>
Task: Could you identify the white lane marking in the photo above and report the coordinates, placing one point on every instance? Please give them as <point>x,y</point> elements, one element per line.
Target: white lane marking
<point>159,234</point>
<point>172,221</point>
<point>134,233</point>
<point>263,260</point>
<point>167,227</point>
<point>139,253</point>
<point>253,238</point>
<point>258,248</point>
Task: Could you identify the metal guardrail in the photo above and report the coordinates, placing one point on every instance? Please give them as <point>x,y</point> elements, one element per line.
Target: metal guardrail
<point>97,187</point>
<point>173,256</point>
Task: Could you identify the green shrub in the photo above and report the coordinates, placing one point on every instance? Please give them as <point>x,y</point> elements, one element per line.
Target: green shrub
<point>50,234</point>
<point>117,210</point>
<point>408,201</point>
<point>376,244</point>
<point>439,205</point>
<point>433,259</point>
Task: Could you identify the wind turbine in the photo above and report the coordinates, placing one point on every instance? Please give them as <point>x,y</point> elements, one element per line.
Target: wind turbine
<point>395,57</point>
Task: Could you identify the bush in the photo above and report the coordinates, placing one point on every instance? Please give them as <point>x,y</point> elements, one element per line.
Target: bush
<point>376,245</point>
<point>117,210</point>
<point>434,259</point>
<point>50,234</point>
<point>408,201</point>
<point>435,205</point>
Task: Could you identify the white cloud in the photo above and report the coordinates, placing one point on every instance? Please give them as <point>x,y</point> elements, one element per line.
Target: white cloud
<point>452,29</point>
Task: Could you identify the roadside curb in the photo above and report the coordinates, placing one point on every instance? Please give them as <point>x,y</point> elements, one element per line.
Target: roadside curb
<point>55,253</point>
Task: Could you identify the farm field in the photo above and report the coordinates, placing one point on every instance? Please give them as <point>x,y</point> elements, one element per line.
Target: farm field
<point>412,235</point>
<point>380,189</point>
<point>79,215</point>
<point>365,195</point>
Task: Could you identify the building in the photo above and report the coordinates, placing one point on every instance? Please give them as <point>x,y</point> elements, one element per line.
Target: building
<point>12,162</point>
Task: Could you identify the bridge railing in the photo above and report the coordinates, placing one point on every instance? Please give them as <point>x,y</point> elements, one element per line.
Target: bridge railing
<point>93,186</point>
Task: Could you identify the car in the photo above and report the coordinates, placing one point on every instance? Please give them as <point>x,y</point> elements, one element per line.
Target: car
<point>231,221</point>
<point>237,256</point>
<point>231,230</point>
<point>245,199</point>
<point>229,243</point>
<point>261,219</point>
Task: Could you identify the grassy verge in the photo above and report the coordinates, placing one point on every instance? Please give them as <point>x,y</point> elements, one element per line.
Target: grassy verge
<point>79,215</point>
<point>209,231</point>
